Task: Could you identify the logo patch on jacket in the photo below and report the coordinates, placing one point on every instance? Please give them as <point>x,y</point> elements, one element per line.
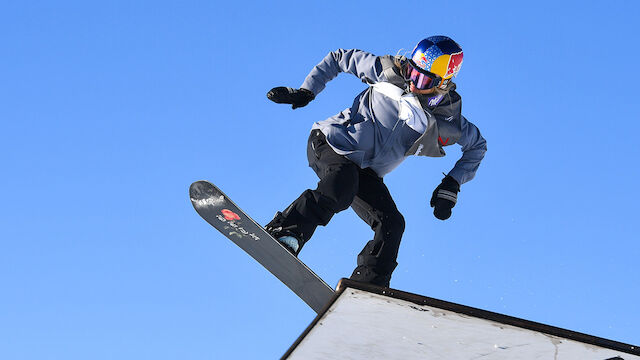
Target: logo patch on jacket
<point>443,142</point>
<point>435,100</point>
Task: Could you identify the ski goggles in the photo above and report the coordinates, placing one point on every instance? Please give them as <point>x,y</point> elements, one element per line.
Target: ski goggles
<point>421,79</point>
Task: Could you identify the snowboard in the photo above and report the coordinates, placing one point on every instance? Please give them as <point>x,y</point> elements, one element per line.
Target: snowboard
<point>224,215</point>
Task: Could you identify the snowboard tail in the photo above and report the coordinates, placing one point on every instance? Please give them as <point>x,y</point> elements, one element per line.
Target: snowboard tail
<point>224,215</point>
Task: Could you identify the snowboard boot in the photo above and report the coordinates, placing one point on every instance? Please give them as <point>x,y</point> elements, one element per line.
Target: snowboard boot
<point>290,240</point>
<point>368,274</point>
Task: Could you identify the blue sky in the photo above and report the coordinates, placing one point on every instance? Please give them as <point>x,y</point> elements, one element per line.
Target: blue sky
<point>110,110</point>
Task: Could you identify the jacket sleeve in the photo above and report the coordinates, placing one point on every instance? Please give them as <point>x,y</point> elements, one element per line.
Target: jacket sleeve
<point>362,64</point>
<point>474,146</point>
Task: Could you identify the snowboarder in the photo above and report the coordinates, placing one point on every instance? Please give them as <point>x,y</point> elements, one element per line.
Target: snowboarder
<point>410,108</point>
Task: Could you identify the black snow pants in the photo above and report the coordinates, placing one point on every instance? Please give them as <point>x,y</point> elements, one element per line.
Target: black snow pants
<point>343,184</point>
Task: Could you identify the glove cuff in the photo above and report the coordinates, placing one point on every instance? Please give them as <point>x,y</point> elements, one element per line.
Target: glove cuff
<point>449,183</point>
<point>447,195</point>
<point>308,93</point>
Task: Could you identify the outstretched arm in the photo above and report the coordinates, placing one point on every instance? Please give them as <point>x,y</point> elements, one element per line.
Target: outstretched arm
<point>360,63</point>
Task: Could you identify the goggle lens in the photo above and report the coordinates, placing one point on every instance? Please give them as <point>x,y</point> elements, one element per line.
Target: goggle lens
<point>420,80</point>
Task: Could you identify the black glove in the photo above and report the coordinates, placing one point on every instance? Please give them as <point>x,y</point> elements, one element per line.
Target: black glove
<point>444,197</point>
<point>286,95</point>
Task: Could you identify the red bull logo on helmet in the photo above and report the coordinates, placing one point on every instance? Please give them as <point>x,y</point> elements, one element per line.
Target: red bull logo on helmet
<point>420,59</point>
<point>425,59</point>
<point>454,64</point>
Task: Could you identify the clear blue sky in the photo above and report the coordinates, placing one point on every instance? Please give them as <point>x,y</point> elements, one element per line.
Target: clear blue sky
<point>110,110</point>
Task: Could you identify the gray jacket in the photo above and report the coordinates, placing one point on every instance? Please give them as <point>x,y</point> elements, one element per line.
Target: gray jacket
<point>386,122</point>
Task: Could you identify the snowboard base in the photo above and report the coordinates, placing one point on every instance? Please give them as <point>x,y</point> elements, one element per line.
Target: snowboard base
<point>224,215</point>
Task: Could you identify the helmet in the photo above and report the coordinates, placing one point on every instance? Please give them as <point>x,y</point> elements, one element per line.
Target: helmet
<point>434,61</point>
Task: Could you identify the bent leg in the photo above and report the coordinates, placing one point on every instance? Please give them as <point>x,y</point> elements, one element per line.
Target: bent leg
<point>374,204</point>
<point>335,192</point>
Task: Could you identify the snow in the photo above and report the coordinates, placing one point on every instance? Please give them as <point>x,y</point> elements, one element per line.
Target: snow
<point>361,325</point>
